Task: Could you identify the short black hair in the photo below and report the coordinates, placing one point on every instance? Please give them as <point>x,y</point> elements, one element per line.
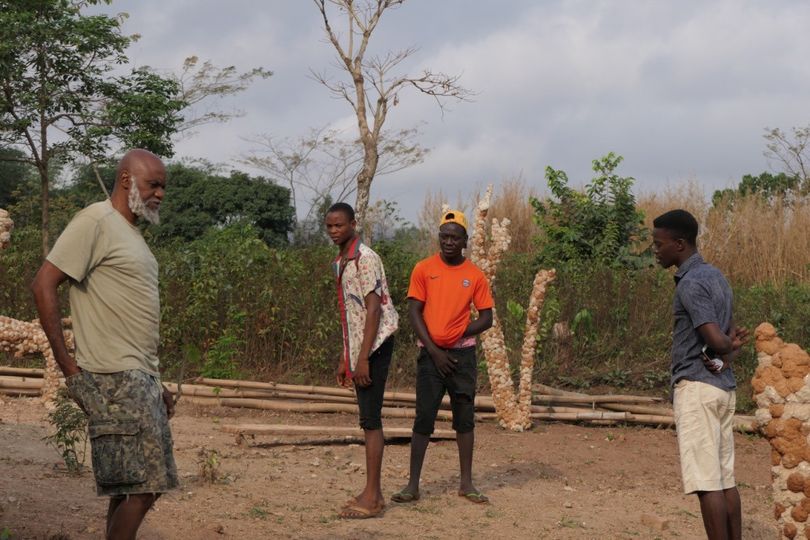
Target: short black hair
<point>346,208</point>
<point>680,223</point>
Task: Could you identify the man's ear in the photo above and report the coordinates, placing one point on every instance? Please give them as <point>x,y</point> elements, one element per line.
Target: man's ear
<point>125,179</point>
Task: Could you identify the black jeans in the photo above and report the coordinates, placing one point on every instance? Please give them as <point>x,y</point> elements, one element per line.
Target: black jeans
<point>431,386</point>
<point>370,398</point>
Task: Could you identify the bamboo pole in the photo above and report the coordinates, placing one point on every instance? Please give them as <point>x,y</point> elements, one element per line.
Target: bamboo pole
<point>209,391</point>
<point>21,372</point>
<point>19,392</point>
<point>617,398</point>
<point>21,384</point>
<point>545,389</point>
<point>482,403</point>
<point>306,389</point>
<point>327,431</point>
<point>303,407</point>
<point>638,409</point>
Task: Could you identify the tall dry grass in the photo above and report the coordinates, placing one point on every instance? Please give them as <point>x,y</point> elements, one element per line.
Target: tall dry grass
<point>431,214</point>
<point>688,196</point>
<point>510,199</point>
<point>752,239</point>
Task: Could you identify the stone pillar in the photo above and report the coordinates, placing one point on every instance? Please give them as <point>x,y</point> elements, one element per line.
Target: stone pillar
<point>5,229</point>
<point>782,393</point>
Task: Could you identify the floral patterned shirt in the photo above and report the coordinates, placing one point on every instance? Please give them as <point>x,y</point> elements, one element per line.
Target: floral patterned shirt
<point>359,273</point>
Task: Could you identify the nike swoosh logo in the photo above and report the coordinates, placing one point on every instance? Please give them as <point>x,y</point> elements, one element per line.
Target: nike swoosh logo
<point>433,277</point>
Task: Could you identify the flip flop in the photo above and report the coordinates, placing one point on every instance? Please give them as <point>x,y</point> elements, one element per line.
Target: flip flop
<point>474,496</point>
<point>353,500</point>
<point>404,496</point>
<point>355,511</point>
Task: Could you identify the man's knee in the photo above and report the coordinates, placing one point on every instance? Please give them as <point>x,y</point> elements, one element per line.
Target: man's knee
<point>144,501</point>
<point>463,412</point>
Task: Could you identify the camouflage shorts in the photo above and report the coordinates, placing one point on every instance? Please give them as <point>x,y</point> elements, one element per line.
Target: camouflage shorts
<point>130,439</point>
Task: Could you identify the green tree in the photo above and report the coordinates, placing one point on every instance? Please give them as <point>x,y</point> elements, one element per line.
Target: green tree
<point>58,97</point>
<point>598,225</point>
<point>766,184</point>
<point>197,199</point>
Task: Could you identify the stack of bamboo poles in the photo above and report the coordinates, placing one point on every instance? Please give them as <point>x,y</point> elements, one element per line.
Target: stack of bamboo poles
<point>548,403</point>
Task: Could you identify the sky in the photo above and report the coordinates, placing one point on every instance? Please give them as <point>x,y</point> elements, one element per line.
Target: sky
<point>682,90</point>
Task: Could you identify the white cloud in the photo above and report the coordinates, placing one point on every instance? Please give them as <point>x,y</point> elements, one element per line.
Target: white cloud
<point>680,89</point>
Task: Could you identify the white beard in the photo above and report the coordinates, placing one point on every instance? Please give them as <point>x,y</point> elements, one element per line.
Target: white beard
<point>139,208</point>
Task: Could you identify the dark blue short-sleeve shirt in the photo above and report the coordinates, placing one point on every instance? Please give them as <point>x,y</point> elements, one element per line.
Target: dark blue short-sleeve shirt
<point>702,295</point>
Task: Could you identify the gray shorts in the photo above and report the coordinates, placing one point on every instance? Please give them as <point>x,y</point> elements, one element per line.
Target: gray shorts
<point>130,439</point>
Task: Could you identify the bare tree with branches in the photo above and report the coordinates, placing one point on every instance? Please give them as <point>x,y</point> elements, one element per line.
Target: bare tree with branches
<point>791,152</point>
<point>373,85</point>
<point>324,164</point>
<point>201,82</point>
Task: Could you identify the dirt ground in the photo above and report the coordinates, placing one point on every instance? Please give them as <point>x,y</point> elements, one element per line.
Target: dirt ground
<point>556,481</point>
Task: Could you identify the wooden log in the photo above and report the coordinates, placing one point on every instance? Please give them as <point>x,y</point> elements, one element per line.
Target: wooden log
<point>21,383</point>
<point>393,396</point>
<point>482,403</point>
<point>638,409</point>
<point>21,372</point>
<point>19,392</point>
<point>584,415</point>
<point>745,424</point>
<point>618,398</point>
<point>209,391</point>
<point>205,391</point>
<point>655,419</point>
<point>326,431</point>
<point>227,383</point>
<point>550,390</point>
<point>626,398</point>
<point>292,406</point>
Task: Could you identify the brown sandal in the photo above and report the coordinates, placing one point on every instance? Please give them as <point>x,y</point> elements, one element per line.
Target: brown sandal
<point>355,511</point>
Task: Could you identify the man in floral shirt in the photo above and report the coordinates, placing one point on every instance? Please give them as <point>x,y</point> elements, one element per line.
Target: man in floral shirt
<point>369,320</point>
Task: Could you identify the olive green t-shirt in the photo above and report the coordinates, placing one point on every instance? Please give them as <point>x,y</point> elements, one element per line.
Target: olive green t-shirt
<point>114,299</point>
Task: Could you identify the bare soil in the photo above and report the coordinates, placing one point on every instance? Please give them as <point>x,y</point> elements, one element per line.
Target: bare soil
<point>556,481</point>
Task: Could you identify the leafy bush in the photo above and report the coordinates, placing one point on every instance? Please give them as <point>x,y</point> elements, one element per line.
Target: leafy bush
<point>599,225</point>
<point>70,435</point>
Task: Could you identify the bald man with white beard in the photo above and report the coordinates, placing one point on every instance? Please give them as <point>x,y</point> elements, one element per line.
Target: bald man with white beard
<point>115,307</point>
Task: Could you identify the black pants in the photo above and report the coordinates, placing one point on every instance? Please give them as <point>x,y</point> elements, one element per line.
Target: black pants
<point>370,398</point>
<point>431,386</point>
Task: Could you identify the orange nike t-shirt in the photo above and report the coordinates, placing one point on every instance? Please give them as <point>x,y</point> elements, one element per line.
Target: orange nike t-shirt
<point>447,292</point>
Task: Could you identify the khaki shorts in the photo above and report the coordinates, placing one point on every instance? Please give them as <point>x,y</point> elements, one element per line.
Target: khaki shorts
<point>704,417</point>
<point>130,439</point>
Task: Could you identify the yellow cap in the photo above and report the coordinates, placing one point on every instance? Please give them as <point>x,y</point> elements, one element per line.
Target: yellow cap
<point>454,216</point>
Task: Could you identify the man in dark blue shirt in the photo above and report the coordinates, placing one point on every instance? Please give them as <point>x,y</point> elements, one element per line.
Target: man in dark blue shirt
<point>705,341</point>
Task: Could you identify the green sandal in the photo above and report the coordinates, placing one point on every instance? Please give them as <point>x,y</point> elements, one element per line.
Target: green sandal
<point>404,496</point>
<point>474,496</point>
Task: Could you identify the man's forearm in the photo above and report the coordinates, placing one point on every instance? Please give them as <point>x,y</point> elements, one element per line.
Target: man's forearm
<point>481,324</point>
<point>51,322</point>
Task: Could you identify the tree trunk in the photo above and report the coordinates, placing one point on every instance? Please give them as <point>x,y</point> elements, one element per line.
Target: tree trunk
<point>45,213</point>
<point>364,179</point>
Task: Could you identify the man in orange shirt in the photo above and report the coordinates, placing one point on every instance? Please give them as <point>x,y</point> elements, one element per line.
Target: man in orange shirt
<point>441,290</point>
